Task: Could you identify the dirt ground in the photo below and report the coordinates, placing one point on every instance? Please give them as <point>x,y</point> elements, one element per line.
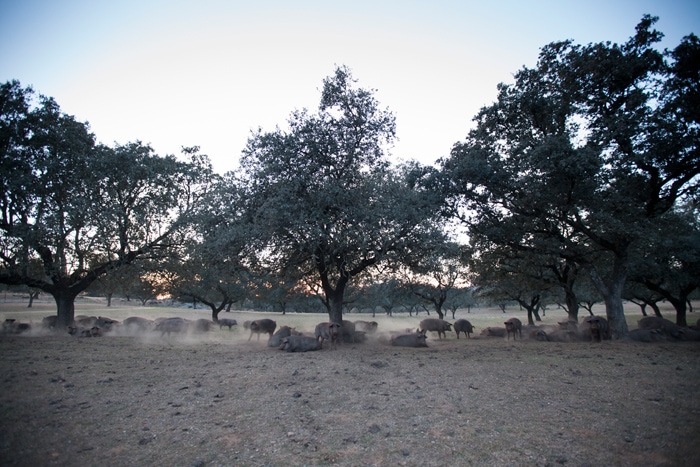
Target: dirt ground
<point>221,400</point>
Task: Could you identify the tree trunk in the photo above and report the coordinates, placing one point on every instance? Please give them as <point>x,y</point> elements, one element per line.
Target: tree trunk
<point>109,299</point>
<point>571,306</point>
<point>65,304</point>
<point>32,296</point>
<point>611,290</point>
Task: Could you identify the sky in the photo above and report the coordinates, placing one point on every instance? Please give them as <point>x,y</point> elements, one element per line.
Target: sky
<point>174,73</point>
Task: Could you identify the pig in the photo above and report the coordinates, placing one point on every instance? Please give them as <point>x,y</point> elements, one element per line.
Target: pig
<point>414,339</point>
<point>462,325</point>
<point>284,331</point>
<point>300,344</point>
<point>227,322</point>
<point>666,326</point>
<point>646,335</point>
<point>513,326</point>
<point>106,324</point>
<point>8,326</point>
<point>171,325</point>
<point>85,321</point>
<point>96,331</point>
<point>137,324</point>
<point>558,335</point>
<point>11,326</point>
<point>569,325</point>
<point>366,326</point>
<point>262,326</point>
<point>493,332</point>
<point>688,334</point>
<point>22,327</point>
<point>437,325</point>
<point>598,328</point>
<point>329,331</point>
<point>49,322</point>
<point>347,332</point>
<point>201,325</point>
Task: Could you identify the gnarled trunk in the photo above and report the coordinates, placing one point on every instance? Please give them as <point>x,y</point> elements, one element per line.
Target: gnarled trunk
<point>611,290</point>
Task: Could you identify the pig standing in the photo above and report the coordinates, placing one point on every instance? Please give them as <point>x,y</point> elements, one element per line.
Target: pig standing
<point>300,344</point>
<point>329,332</point>
<point>227,322</point>
<point>170,325</point>
<point>462,325</point>
<point>284,331</point>
<point>437,325</point>
<point>598,328</point>
<point>414,339</point>
<point>262,326</point>
<point>514,325</point>
<point>136,324</point>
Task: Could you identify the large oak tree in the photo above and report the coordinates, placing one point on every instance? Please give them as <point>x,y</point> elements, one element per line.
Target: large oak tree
<point>590,148</point>
<point>324,198</point>
<point>82,209</point>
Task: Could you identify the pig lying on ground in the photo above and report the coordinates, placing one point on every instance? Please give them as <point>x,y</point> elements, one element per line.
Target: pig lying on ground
<point>262,326</point>
<point>462,325</point>
<point>437,325</point>
<point>493,332</point>
<point>667,327</point>
<point>414,339</point>
<point>328,331</point>
<point>284,331</point>
<point>646,335</point>
<point>11,326</point>
<point>300,344</point>
<point>106,324</point>
<point>513,326</point>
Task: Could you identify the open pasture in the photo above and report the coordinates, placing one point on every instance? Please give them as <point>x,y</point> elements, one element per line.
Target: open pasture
<point>218,399</point>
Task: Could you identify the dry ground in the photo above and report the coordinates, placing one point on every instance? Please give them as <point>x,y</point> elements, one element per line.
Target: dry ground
<point>221,400</point>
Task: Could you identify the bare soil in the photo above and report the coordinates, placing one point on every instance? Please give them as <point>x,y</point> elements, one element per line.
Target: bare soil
<point>221,400</point>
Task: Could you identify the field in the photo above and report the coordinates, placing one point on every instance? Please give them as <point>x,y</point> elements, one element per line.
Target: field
<point>219,399</point>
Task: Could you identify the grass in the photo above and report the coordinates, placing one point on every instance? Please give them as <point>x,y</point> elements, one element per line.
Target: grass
<point>15,307</point>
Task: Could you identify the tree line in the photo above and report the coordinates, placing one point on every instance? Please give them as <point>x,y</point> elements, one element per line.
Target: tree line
<point>579,184</point>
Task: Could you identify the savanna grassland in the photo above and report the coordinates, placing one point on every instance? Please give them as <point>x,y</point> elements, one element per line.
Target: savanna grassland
<point>217,399</point>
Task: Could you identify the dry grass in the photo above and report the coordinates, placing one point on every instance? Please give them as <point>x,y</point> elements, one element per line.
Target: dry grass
<point>220,400</point>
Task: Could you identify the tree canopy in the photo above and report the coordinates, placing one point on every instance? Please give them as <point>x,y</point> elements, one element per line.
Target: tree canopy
<point>590,148</point>
<point>80,209</point>
<point>324,198</point>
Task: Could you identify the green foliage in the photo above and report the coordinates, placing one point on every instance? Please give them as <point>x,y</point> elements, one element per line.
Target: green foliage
<point>323,198</point>
<point>81,209</point>
<point>583,154</point>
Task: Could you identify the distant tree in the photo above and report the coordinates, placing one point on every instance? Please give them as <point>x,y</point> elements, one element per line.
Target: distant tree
<point>323,197</point>
<point>216,270</point>
<point>436,274</point>
<point>591,148</point>
<point>667,261</point>
<point>66,201</point>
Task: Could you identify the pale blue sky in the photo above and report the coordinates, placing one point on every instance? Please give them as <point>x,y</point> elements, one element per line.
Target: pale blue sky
<point>179,73</point>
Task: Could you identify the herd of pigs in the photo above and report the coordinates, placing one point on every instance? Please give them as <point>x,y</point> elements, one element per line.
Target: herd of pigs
<point>592,328</point>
